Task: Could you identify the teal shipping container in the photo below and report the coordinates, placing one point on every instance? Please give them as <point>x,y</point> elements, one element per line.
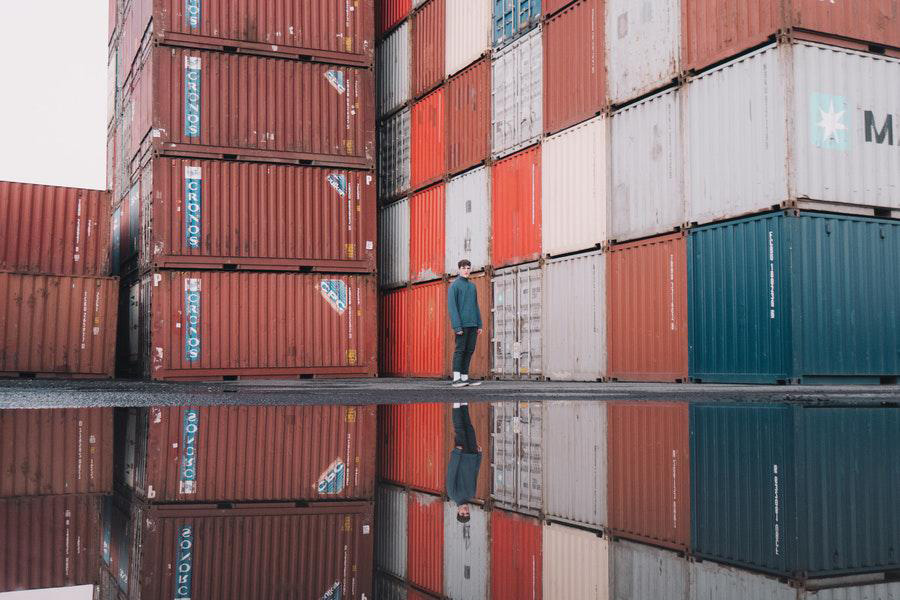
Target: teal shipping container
<point>513,18</point>
<point>799,491</point>
<point>795,297</point>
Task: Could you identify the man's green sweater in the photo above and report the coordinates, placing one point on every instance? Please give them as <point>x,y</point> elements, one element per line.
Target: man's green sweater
<point>462,303</point>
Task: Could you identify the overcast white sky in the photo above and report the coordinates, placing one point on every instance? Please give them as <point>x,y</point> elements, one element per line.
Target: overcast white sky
<point>53,92</point>
<point>80,592</point>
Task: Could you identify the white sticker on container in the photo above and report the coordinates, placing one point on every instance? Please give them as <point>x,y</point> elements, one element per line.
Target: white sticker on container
<point>369,245</point>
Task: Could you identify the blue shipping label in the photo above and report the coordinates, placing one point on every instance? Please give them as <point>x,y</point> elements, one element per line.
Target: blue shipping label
<point>192,96</point>
<point>191,320</point>
<point>335,293</point>
<point>334,593</point>
<point>187,476</point>
<point>336,79</point>
<point>193,188</point>
<point>334,478</point>
<point>192,13</point>
<point>184,564</point>
<point>339,183</point>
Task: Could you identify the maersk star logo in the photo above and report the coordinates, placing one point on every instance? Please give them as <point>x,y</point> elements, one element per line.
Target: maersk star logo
<point>828,121</point>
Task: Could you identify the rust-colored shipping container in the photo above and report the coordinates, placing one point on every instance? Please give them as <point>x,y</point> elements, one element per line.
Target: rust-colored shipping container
<point>649,472</point>
<point>647,310</point>
<point>469,117</point>
<point>427,210</point>
<point>427,329</point>
<point>516,558</point>
<point>548,7</point>
<point>391,12</point>
<point>428,35</point>
<point>53,230</point>
<point>516,208</point>
<point>713,30</point>
<point>54,326</point>
<point>49,541</point>
<point>480,367</point>
<point>394,332</point>
<point>425,549</point>
<point>249,453</point>
<point>212,324</point>
<point>56,451</point>
<point>428,155</point>
<point>574,65</point>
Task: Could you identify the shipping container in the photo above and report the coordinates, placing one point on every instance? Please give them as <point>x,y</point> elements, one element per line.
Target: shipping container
<point>469,116</point>
<point>116,544</point>
<point>209,324</point>
<point>707,38</point>
<point>53,326</point>
<point>49,541</point>
<point>574,317</point>
<point>551,7</point>
<point>643,47</point>
<point>794,296</point>
<point>517,328</point>
<point>813,489</point>
<point>390,12</point>
<point>466,554</point>
<point>394,332</point>
<point>480,365</point>
<point>52,230</point>
<point>468,34</point>
<point>56,451</point>
<point>426,542</point>
<point>427,332</point>
<point>468,220</point>
<point>646,309</point>
<point>388,588</point>
<point>516,208</point>
<point>428,149</point>
<point>574,65</point>
<point>428,48</point>
<point>394,140</point>
<point>649,472</point>
<point>646,168</point>
<point>517,105</point>
<point>640,571</point>
<point>794,123</point>
<point>394,243</point>
<point>391,530</point>
<point>513,17</point>
<point>427,211</point>
<point>575,457</point>
<point>394,64</point>
<point>516,459</point>
<point>575,563</point>
<point>516,560</point>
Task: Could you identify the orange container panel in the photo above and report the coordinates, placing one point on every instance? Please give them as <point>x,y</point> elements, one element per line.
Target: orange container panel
<point>393,443</point>
<point>516,208</point>
<point>647,310</point>
<point>425,550</point>
<point>395,311</point>
<point>427,210</point>
<point>428,24</point>
<point>516,559</point>
<point>469,117</point>
<point>390,12</point>
<point>428,329</point>
<point>480,367</point>
<point>428,155</point>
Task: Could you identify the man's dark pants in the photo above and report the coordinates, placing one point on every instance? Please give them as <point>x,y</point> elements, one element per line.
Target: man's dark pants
<point>463,430</point>
<point>465,347</point>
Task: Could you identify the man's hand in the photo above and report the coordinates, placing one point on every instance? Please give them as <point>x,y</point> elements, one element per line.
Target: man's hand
<point>479,331</point>
<point>459,332</point>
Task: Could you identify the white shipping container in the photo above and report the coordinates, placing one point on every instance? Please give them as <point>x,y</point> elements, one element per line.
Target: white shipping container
<point>793,122</point>
<point>574,317</point>
<point>393,243</point>
<point>394,156</point>
<point>468,219</point>
<point>643,46</point>
<point>574,188</point>
<point>641,571</point>
<point>466,554</point>
<point>517,105</point>
<point>467,33</point>
<point>394,67</point>
<point>516,448</point>
<point>516,340</point>
<point>646,168</point>
<point>575,564</point>
<point>391,522</point>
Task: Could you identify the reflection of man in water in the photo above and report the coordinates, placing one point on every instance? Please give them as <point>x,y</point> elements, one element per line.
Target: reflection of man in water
<point>465,460</point>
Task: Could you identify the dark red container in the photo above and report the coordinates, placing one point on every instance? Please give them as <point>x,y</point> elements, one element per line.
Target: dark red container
<point>391,12</point>
<point>469,117</point>
<point>428,150</point>
<point>516,208</point>
<point>428,25</point>
<point>427,211</point>
<point>516,558</point>
<point>425,549</point>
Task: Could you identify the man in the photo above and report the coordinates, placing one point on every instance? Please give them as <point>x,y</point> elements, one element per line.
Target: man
<point>465,460</point>
<point>465,318</point>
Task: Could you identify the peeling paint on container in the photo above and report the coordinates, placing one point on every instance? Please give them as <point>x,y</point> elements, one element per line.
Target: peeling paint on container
<point>466,553</point>
<point>428,47</point>
<point>576,563</point>
<point>468,220</point>
<point>516,559</point>
<point>517,449</point>
<point>394,242</point>
<point>517,105</point>
<point>394,64</point>
<point>517,328</point>
<point>641,571</point>
<point>394,141</point>
<point>427,212</point>
<point>516,208</point>
<point>391,530</point>
<point>468,33</point>
<point>480,365</point>
<point>428,157</point>
<point>426,542</point>
<point>469,117</point>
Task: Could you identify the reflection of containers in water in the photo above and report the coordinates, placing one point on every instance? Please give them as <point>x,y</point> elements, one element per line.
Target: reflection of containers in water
<point>657,573</point>
<point>468,34</point>
<point>394,139</point>
<point>576,563</point>
<point>469,115</point>
<point>393,243</point>
<point>428,46</point>
<point>427,212</point>
<point>516,560</point>
<point>466,557</point>
<point>516,319</point>
<point>480,365</point>
<point>517,450</point>
<point>391,530</point>
<point>393,60</point>
<point>426,542</point>
<point>517,94</point>
<point>516,208</point>
<point>512,18</point>
<point>428,160</point>
<point>468,220</point>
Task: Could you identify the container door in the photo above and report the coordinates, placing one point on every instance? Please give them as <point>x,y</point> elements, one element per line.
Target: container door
<point>134,317</point>
<point>529,294</point>
<point>504,323</point>
<point>529,462</point>
<point>504,453</point>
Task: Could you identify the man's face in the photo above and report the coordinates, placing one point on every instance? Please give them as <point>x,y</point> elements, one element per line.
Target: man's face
<point>465,270</point>
<point>463,510</point>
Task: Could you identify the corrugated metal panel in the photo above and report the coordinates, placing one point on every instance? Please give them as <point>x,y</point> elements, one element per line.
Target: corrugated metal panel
<point>55,326</point>
<point>466,554</point>
<point>574,317</point>
<point>575,563</point>
<point>387,588</point>
<point>480,365</point>
<point>412,446</point>
<point>56,451</point>
<point>393,463</point>
<point>54,230</point>
<point>468,33</point>
<point>517,463</point>
<point>516,208</point>
<point>390,12</point>
<point>575,463</point>
<point>647,170</point>
<point>427,211</point>
<point>469,117</point>
<point>646,308</point>
<point>643,46</point>
<point>574,186</point>
<point>649,472</point>
<point>552,6</point>
<point>391,530</point>
<point>428,33</point>
<point>516,561</point>
<point>468,220</point>
<point>517,329</point>
<point>394,140</point>
<point>394,332</point>
<point>428,329</point>
<point>574,65</point>
<point>394,242</point>
<point>641,571</point>
<point>290,324</point>
<point>876,591</point>
<point>394,64</point>
<point>513,17</point>
<point>49,541</point>
<point>426,542</point>
<point>517,105</point>
<point>428,149</point>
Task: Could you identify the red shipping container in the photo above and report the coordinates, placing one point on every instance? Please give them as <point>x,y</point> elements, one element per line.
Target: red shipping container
<point>516,208</point>
<point>394,332</point>
<point>574,65</point>
<point>53,230</point>
<point>428,151</point>
<point>390,13</point>
<point>649,472</point>
<point>249,453</point>
<point>49,541</point>
<point>428,24</point>
<point>516,558</point>
<point>56,451</point>
<point>548,7</point>
<point>212,324</point>
<point>425,549</point>
<point>428,329</point>
<point>58,326</point>
<point>646,308</point>
<point>427,210</point>
<point>469,117</point>
<point>713,30</point>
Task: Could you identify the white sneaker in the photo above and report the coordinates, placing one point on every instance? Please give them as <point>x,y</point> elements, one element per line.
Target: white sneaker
<point>459,383</point>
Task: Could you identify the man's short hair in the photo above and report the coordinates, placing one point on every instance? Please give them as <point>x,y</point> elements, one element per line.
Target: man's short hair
<point>463,518</point>
<point>463,263</point>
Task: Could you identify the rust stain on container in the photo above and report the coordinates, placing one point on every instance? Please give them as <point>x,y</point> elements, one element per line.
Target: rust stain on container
<point>647,309</point>
<point>394,332</point>
<point>54,230</point>
<point>428,156</point>
<point>480,367</point>
<point>516,208</point>
<point>516,558</point>
<point>249,453</point>
<point>426,542</point>
<point>428,34</point>
<point>469,117</point>
<point>427,210</point>
<point>390,12</point>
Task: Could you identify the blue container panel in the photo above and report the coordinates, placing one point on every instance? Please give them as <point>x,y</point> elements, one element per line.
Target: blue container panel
<point>514,17</point>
